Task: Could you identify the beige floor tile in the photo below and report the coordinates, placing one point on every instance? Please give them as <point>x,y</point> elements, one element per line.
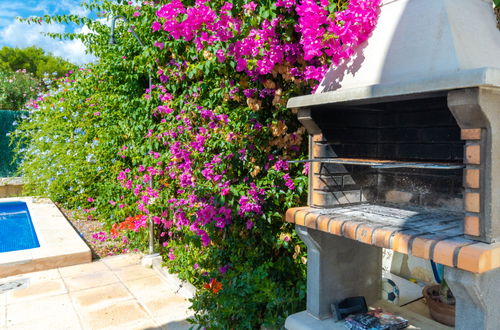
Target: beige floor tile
<point>3,310</point>
<point>134,272</point>
<point>37,289</point>
<point>166,309</point>
<point>148,287</point>
<point>115,293</point>
<point>176,325</point>
<point>62,322</point>
<point>59,308</point>
<point>137,325</point>
<point>116,315</point>
<point>90,280</point>
<point>50,274</point>
<point>82,269</point>
<point>99,297</point>
<point>122,260</point>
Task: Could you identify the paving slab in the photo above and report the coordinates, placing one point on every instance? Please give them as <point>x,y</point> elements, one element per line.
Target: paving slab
<point>58,308</point>
<point>134,272</point>
<point>90,280</point>
<point>100,296</point>
<point>113,293</point>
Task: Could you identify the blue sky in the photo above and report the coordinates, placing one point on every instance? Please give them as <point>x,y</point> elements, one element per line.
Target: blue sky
<point>16,34</point>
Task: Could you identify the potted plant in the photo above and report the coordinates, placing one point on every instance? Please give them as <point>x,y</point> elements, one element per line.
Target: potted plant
<point>441,303</point>
<point>440,299</point>
<point>496,4</point>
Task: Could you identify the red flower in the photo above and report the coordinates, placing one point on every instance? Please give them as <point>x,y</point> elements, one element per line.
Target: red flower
<point>214,286</point>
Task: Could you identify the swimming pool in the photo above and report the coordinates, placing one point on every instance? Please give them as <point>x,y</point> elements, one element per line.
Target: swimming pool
<point>16,228</point>
<point>39,238</point>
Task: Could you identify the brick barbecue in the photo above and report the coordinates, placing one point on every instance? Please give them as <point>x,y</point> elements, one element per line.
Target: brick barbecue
<point>404,154</point>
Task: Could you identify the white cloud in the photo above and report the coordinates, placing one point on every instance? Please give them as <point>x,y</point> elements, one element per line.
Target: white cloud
<point>18,34</point>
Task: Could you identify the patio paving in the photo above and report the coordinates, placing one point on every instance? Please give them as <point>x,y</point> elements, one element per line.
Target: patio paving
<point>112,293</point>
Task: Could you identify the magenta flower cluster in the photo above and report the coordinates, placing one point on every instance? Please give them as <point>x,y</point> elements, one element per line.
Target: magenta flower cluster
<point>259,50</point>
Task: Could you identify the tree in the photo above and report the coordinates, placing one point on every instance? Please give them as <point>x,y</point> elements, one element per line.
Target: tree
<point>34,60</point>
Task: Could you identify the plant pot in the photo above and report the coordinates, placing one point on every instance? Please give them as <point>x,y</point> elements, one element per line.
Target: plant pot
<point>497,12</point>
<point>441,312</point>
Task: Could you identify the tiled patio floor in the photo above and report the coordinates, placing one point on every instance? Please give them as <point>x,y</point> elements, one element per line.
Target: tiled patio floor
<point>113,293</point>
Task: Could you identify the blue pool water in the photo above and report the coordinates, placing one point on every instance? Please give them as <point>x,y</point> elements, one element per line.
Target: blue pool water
<point>16,229</point>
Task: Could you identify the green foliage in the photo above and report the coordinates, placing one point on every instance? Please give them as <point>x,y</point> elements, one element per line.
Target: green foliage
<point>8,120</point>
<point>98,123</point>
<point>16,88</point>
<point>33,60</point>
<point>496,3</point>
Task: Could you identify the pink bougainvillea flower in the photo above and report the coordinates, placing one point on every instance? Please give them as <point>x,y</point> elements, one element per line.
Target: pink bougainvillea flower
<point>160,45</point>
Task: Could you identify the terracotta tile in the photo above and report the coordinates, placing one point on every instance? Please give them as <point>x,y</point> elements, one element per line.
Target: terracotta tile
<point>479,258</point>
<point>319,199</point>
<point>335,227</point>
<point>323,222</point>
<point>382,237</point>
<point>318,182</point>
<point>444,251</point>
<point>318,138</point>
<point>473,154</point>
<point>472,226</point>
<point>315,168</point>
<point>396,196</point>
<point>349,229</point>
<point>289,215</point>
<point>299,217</point>
<point>421,247</point>
<point>471,134</point>
<point>364,234</point>
<point>400,242</point>
<point>471,178</point>
<point>472,202</point>
<point>310,220</point>
<point>322,150</point>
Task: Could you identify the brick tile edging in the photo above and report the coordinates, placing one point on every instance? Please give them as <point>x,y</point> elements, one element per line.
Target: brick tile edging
<point>452,251</point>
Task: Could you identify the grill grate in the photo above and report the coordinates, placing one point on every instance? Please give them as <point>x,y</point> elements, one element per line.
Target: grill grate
<point>375,163</point>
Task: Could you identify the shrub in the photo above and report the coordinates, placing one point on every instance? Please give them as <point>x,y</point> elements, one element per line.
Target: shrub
<point>203,153</point>
<point>16,88</point>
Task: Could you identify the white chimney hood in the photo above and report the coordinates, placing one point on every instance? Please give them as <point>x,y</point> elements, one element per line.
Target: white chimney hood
<point>417,47</point>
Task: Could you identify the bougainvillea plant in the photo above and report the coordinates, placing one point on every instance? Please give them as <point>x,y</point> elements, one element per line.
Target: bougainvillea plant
<point>203,153</point>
